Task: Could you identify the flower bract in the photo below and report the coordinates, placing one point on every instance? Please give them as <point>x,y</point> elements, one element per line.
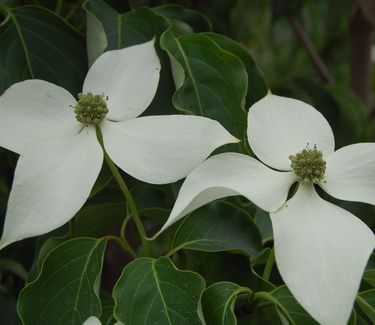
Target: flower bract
<point>60,155</point>
<point>321,249</point>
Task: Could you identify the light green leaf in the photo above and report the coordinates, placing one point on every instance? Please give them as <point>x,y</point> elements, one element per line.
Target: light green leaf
<point>153,291</point>
<point>29,49</point>
<point>218,302</point>
<point>218,227</point>
<point>366,301</point>
<point>66,290</point>
<point>215,81</point>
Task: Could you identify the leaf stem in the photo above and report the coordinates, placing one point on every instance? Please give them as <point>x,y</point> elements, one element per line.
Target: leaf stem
<point>124,245</point>
<point>268,297</point>
<point>269,264</point>
<point>125,190</point>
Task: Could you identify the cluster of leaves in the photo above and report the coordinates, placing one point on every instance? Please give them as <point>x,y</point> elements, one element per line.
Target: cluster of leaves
<point>214,267</point>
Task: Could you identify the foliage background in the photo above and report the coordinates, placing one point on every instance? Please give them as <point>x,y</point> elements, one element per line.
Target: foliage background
<point>267,29</point>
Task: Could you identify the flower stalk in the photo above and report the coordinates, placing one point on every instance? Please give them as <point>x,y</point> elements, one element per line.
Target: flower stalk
<point>129,198</point>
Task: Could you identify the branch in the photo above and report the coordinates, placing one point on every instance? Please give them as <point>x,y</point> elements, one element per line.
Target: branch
<point>310,49</point>
<point>361,29</point>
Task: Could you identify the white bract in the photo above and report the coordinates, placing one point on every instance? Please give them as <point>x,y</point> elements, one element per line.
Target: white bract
<point>60,156</point>
<point>321,249</point>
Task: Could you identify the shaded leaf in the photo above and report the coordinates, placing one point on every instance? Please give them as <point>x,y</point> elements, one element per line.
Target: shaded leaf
<point>218,227</point>
<point>66,290</point>
<point>366,301</point>
<point>263,221</point>
<point>95,220</point>
<point>195,19</point>
<point>153,291</point>
<point>29,49</point>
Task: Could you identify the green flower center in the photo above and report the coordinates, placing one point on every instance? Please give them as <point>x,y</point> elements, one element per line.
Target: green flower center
<point>308,165</point>
<point>90,108</point>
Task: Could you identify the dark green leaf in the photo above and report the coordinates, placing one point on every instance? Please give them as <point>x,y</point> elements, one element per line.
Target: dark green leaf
<point>218,302</point>
<point>29,49</point>
<point>289,304</point>
<point>14,267</point>
<point>103,179</point>
<point>108,29</point>
<point>8,311</point>
<point>257,86</point>
<point>95,220</point>
<point>66,291</point>
<point>152,291</point>
<point>218,227</point>
<point>366,301</point>
<point>263,221</point>
<point>120,30</point>
<point>210,81</point>
<point>198,21</point>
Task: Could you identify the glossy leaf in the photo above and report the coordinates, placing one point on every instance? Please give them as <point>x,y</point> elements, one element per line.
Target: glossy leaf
<point>218,227</point>
<point>366,301</point>
<point>153,291</point>
<point>257,86</point>
<point>218,302</point>
<point>66,290</point>
<point>29,49</point>
<point>210,81</point>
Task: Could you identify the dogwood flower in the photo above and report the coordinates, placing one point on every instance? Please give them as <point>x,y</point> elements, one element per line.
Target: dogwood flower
<point>321,249</point>
<point>60,155</point>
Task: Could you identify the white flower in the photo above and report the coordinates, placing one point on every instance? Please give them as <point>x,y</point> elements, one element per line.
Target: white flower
<point>60,157</point>
<point>321,249</point>
<point>92,320</point>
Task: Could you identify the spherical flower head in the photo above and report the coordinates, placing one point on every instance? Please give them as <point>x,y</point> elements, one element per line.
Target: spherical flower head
<point>308,165</point>
<point>90,108</point>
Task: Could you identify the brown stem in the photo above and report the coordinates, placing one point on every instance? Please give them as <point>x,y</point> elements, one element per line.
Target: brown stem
<point>361,29</point>
<point>310,49</point>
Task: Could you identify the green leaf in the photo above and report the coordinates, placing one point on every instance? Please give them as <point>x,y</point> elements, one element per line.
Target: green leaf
<point>218,302</point>
<point>366,301</point>
<point>67,286</point>
<point>210,81</point>
<point>217,267</point>
<point>263,222</point>
<point>109,30</point>
<point>257,86</point>
<point>153,291</point>
<point>119,30</point>
<point>195,19</point>
<point>36,43</point>
<point>95,220</point>
<point>285,302</point>
<point>14,267</point>
<point>218,227</point>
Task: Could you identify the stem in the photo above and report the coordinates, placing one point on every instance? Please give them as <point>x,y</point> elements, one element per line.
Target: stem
<point>129,198</point>
<point>58,7</point>
<point>124,245</point>
<point>268,268</point>
<point>310,49</point>
<point>268,297</point>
